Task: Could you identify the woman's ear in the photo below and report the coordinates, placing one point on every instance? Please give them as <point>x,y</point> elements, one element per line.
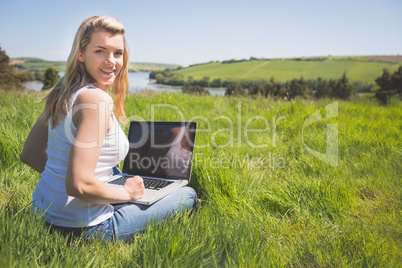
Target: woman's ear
<point>81,56</point>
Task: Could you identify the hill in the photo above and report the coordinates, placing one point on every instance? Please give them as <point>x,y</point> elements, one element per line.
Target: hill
<point>36,64</point>
<point>357,68</point>
<point>149,66</point>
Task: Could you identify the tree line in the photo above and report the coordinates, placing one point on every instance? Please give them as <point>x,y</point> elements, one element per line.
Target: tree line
<point>325,58</point>
<point>319,88</point>
<point>340,88</point>
<point>11,77</point>
<point>387,86</point>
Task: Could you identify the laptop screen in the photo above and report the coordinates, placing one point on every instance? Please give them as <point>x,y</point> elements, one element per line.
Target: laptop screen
<point>160,149</point>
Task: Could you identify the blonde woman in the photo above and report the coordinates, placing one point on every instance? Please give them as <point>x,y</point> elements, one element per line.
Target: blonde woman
<point>77,142</point>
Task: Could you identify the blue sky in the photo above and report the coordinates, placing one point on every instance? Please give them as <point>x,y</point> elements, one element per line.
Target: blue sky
<point>188,32</point>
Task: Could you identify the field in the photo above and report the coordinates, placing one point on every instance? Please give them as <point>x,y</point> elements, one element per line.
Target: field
<point>267,200</point>
<point>35,64</point>
<point>357,69</point>
<point>147,67</point>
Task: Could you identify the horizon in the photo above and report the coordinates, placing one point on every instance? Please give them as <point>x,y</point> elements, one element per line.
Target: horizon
<point>184,34</point>
<point>169,63</point>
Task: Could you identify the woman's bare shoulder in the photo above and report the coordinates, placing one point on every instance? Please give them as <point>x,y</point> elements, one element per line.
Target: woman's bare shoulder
<point>94,95</point>
<point>91,103</point>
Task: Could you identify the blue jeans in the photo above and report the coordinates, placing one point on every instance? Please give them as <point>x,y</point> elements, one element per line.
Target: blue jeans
<point>130,218</point>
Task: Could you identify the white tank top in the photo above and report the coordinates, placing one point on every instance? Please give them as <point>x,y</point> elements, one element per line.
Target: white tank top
<point>50,195</point>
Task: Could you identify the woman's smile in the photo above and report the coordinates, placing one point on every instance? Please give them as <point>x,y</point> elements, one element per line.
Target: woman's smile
<point>108,72</point>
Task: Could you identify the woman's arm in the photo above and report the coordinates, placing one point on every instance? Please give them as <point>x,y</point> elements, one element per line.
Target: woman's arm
<point>34,151</point>
<point>93,120</point>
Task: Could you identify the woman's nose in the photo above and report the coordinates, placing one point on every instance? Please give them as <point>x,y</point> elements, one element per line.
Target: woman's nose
<point>110,59</point>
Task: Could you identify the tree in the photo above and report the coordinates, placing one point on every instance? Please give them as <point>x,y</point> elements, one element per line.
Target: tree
<point>160,79</point>
<point>235,89</point>
<point>384,81</point>
<point>50,78</point>
<point>190,80</point>
<point>323,90</point>
<point>194,89</point>
<point>38,76</point>
<point>258,89</point>
<point>204,82</point>
<point>389,85</point>
<point>397,80</point>
<point>8,79</point>
<point>343,88</point>
<point>298,87</point>
<point>175,80</point>
<point>273,88</point>
<point>217,82</point>
<point>23,75</point>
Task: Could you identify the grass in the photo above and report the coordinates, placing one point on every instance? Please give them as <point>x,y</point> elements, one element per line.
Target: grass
<point>36,64</point>
<point>148,66</point>
<point>272,206</point>
<point>284,70</point>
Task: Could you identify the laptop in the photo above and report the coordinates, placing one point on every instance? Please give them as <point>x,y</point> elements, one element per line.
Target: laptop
<point>160,153</point>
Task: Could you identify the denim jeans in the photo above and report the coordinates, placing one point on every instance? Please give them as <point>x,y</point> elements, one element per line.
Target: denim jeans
<point>130,218</point>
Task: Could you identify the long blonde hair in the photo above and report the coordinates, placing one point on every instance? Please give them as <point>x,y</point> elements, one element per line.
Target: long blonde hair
<point>76,75</point>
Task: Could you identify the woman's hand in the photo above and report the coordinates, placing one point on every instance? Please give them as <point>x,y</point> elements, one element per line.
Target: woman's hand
<point>135,187</point>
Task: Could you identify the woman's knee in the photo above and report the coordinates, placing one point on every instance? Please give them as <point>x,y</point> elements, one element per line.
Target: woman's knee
<point>189,196</point>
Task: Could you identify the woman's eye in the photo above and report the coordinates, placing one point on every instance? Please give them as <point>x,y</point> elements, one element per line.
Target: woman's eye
<point>99,51</point>
<point>119,53</point>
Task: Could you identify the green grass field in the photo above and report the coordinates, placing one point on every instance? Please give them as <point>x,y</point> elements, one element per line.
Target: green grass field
<point>35,64</point>
<point>356,69</point>
<point>147,66</point>
<point>267,201</point>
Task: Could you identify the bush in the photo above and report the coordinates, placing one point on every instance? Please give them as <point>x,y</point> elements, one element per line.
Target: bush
<point>24,76</point>
<point>343,88</point>
<point>196,89</point>
<point>8,78</point>
<point>390,85</point>
<point>235,89</point>
<point>298,88</point>
<point>50,78</point>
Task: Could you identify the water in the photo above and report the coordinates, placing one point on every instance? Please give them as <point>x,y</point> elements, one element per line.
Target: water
<point>138,81</point>
<point>33,85</point>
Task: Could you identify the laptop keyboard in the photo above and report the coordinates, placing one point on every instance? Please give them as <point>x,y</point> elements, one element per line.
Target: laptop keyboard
<point>156,184</point>
<point>148,183</point>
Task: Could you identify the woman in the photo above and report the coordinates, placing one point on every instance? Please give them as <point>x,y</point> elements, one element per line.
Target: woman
<point>77,141</point>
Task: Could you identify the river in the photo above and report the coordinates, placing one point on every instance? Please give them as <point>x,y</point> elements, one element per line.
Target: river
<point>138,81</point>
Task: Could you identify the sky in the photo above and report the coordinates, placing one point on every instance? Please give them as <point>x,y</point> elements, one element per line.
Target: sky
<point>189,32</point>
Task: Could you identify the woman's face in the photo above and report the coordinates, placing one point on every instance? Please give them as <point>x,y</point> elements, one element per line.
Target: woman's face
<point>103,58</point>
